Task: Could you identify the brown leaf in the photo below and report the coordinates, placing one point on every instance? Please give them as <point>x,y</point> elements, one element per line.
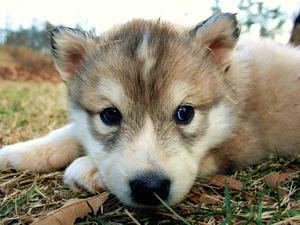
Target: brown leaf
<point>72,210</point>
<point>274,178</point>
<point>219,181</point>
<point>194,197</point>
<point>4,190</point>
<point>207,200</point>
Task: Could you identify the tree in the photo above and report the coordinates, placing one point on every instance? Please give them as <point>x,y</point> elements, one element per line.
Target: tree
<point>35,37</point>
<point>216,8</point>
<point>269,19</point>
<point>251,12</point>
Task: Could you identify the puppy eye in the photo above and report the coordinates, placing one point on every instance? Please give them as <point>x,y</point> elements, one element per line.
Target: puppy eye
<point>184,114</point>
<point>111,116</point>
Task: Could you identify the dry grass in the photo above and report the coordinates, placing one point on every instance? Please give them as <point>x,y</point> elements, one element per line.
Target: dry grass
<point>30,109</point>
<point>24,56</point>
<point>23,64</point>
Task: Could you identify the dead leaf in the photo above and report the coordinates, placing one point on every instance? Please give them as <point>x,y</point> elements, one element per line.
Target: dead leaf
<point>207,200</point>
<point>194,197</point>
<point>274,178</point>
<point>4,190</point>
<point>72,210</point>
<point>219,181</point>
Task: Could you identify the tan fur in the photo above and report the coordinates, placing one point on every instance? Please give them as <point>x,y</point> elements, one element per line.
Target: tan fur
<point>245,98</point>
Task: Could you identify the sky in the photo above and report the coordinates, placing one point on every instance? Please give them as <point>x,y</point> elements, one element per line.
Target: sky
<point>103,14</point>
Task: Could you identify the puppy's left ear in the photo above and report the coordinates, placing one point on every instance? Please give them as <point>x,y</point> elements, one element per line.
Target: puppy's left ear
<point>219,35</point>
<point>69,47</point>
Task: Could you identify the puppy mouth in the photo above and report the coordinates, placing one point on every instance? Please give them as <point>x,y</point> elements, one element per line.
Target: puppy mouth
<point>146,186</point>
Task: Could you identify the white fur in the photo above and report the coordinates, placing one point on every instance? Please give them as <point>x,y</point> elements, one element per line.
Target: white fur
<point>146,55</point>
<point>221,124</point>
<point>53,151</point>
<point>119,166</point>
<point>83,173</point>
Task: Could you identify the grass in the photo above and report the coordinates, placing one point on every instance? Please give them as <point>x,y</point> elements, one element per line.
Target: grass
<point>31,109</point>
<point>24,56</point>
<point>23,64</point>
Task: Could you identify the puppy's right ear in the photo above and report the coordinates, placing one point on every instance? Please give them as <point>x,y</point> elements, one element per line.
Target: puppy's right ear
<point>69,47</point>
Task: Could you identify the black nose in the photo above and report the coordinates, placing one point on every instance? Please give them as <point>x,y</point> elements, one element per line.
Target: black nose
<point>145,185</point>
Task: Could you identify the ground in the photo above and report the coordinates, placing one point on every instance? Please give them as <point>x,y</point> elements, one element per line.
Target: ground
<point>32,103</point>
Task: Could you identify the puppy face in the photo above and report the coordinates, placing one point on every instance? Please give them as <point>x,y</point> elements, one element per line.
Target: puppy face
<point>149,100</point>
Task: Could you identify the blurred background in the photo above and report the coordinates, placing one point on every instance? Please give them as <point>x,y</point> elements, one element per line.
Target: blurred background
<point>33,102</point>
<point>24,23</point>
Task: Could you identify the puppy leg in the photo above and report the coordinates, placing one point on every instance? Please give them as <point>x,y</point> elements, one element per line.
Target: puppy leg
<point>49,153</point>
<point>83,173</point>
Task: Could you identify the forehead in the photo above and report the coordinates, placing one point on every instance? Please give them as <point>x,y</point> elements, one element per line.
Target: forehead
<point>148,64</point>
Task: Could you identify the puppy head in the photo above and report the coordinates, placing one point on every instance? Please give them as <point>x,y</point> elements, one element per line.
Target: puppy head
<point>148,100</point>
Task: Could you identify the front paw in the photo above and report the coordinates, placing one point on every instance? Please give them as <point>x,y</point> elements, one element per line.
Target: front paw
<point>34,155</point>
<point>5,155</point>
<point>83,173</point>
<point>14,156</point>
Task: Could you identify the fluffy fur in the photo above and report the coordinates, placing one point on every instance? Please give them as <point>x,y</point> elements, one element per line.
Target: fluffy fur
<point>154,104</point>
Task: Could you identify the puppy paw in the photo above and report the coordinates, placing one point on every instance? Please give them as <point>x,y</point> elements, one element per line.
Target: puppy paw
<point>4,158</point>
<point>83,173</point>
<point>34,155</point>
<point>16,156</point>
<point>49,153</point>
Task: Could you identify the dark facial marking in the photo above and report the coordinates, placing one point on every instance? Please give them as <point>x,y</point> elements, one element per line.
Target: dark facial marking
<point>109,140</point>
<point>227,68</point>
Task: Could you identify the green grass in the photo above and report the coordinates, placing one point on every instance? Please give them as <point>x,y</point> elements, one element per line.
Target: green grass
<point>29,110</point>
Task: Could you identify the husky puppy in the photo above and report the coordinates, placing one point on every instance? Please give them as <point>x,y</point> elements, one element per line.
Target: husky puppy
<point>154,104</point>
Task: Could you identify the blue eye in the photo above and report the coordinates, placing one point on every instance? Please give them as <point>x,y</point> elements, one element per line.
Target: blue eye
<point>184,115</point>
<point>111,116</point>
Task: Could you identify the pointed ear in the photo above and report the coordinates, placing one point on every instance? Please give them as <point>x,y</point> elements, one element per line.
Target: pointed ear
<point>219,35</point>
<point>69,46</point>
